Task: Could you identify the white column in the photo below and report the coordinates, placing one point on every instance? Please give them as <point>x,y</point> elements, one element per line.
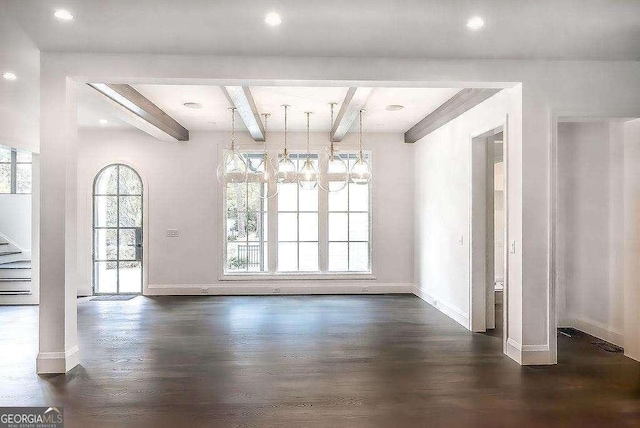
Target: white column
<point>58,351</point>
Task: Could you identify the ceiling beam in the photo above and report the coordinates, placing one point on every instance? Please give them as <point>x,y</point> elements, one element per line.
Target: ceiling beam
<point>354,101</point>
<point>461,102</point>
<point>242,99</point>
<point>138,111</point>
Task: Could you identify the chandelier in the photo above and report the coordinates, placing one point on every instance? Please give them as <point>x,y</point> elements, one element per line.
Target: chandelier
<point>286,169</point>
<point>334,173</point>
<point>233,167</point>
<point>361,171</point>
<point>266,172</point>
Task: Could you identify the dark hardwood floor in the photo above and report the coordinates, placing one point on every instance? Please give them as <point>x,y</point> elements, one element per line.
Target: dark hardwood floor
<point>307,361</point>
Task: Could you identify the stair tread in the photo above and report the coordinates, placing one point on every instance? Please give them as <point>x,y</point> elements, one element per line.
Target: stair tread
<point>15,279</point>
<point>21,264</point>
<point>8,253</point>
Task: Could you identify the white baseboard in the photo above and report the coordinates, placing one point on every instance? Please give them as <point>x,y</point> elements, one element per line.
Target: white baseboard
<point>57,362</point>
<point>529,355</point>
<point>271,289</point>
<point>456,314</point>
<point>594,328</point>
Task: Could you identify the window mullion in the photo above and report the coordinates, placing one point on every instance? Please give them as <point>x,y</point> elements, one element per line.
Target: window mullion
<point>272,240</point>
<point>14,171</point>
<point>323,231</point>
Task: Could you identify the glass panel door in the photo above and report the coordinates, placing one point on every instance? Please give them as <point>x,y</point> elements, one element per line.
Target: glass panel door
<point>117,231</point>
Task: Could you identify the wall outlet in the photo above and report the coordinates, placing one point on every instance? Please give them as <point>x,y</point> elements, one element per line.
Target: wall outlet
<point>173,233</point>
<point>364,289</point>
<point>276,290</point>
<point>204,290</point>
<point>512,247</point>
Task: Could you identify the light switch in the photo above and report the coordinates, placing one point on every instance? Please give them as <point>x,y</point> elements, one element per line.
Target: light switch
<point>173,233</point>
<point>512,247</point>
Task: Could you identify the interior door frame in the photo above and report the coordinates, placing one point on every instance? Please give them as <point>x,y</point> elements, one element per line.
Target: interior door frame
<point>144,230</point>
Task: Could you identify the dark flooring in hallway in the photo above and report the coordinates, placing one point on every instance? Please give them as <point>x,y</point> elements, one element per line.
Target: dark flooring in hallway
<point>307,361</point>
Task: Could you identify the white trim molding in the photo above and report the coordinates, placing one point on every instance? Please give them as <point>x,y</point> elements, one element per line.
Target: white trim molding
<point>594,328</point>
<point>275,289</point>
<point>57,362</point>
<point>456,314</point>
<point>529,355</point>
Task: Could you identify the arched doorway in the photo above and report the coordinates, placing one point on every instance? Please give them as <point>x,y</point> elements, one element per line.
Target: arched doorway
<point>117,231</point>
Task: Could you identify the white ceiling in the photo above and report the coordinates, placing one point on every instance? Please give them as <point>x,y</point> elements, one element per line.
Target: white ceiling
<point>215,116</point>
<point>541,29</point>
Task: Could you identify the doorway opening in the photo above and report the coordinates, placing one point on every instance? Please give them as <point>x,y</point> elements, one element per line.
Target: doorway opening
<point>117,231</point>
<point>488,233</point>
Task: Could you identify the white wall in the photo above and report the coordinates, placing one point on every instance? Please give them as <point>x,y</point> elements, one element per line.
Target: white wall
<point>15,219</point>
<point>590,227</point>
<point>183,194</point>
<point>442,199</point>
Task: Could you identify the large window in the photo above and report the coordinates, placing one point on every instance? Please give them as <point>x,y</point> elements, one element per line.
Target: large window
<point>15,171</point>
<point>298,231</point>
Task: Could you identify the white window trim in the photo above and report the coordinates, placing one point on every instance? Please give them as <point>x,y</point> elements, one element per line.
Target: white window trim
<point>272,240</point>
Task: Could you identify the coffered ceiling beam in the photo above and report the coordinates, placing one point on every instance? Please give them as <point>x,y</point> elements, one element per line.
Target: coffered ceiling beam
<point>461,102</point>
<point>138,111</point>
<point>354,101</point>
<point>242,99</point>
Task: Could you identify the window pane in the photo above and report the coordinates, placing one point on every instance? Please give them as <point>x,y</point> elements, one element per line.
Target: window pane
<point>236,229</point>
<point>253,254</point>
<point>106,211</point>
<point>338,227</point>
<point>288,197</point>
<point>106,244</point>
<point>287,227</point>
<point>308,226</point>
<point>358,197</point>
<point>130,183</point>
<point>358,227</point>
<point>130,211</point>
<point>23,156</point>
<point>359,256</point>
<point>287,256</point>
<point>105,275</point>
<point>338,200</point>
<point>235,263</point>
<point>127,244</point>
<point>130,277</point>
<point>236,197</point>
<point>5,155</point>
<point>308,256</point>
<point>23,178</point>
<point>309,200</point>
<point>5,178</point>
<point>255,202</point>
<point>107,181</point>
<point>254,226</point>
<point>338,257</point>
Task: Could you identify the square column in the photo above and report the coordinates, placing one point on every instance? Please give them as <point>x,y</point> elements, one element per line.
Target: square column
<point>58,339</point>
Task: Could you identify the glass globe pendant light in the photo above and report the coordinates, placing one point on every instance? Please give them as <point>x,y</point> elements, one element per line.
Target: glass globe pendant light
<point>361,171</point>
<point>266,173</point>
<point>308,175</point>
<point>334,172</point>
<point>233,167</point>
<point>286,172</point>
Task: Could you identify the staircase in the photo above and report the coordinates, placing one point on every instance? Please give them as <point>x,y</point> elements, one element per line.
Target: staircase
<point>15,270</point>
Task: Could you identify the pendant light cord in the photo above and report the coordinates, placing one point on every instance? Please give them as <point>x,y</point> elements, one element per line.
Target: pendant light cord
<point>308,149</point>
<point>285,129</point>
<point>361,133</point>
<point>233,127</point>
<point>266,128</point>
<point>330,128</point>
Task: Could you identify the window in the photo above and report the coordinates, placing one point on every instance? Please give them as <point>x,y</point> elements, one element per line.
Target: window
<point>246,224</point>
<point>349,227</point>
<point>15,171</point>
<point>297,231</point>
<point>298,224</point>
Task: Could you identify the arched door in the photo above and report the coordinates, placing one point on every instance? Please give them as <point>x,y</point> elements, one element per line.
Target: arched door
<point>117,231</point>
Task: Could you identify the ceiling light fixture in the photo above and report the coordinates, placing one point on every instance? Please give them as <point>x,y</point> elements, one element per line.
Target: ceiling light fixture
<point>266,173</point>
<point>103,121</point>
<point>273,19</point>
<point>63,15</point>
<point>394,107</point>
<point>286,168</point>
<point>308,177</point>
<point>196,106</point>
<point>475,23</point>
<point>334,172</point>
<point>233,168</point>
<point>9,76</point>
<point>361,171</point>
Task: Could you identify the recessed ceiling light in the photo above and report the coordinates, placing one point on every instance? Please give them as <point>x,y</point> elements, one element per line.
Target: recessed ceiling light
<point>63,15</point>
<point>103,121</point>
<point>273,19</point>
<point>9,76</point>
<point>394,107</point>
<point>475,23</point>
<point>193,105</point>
